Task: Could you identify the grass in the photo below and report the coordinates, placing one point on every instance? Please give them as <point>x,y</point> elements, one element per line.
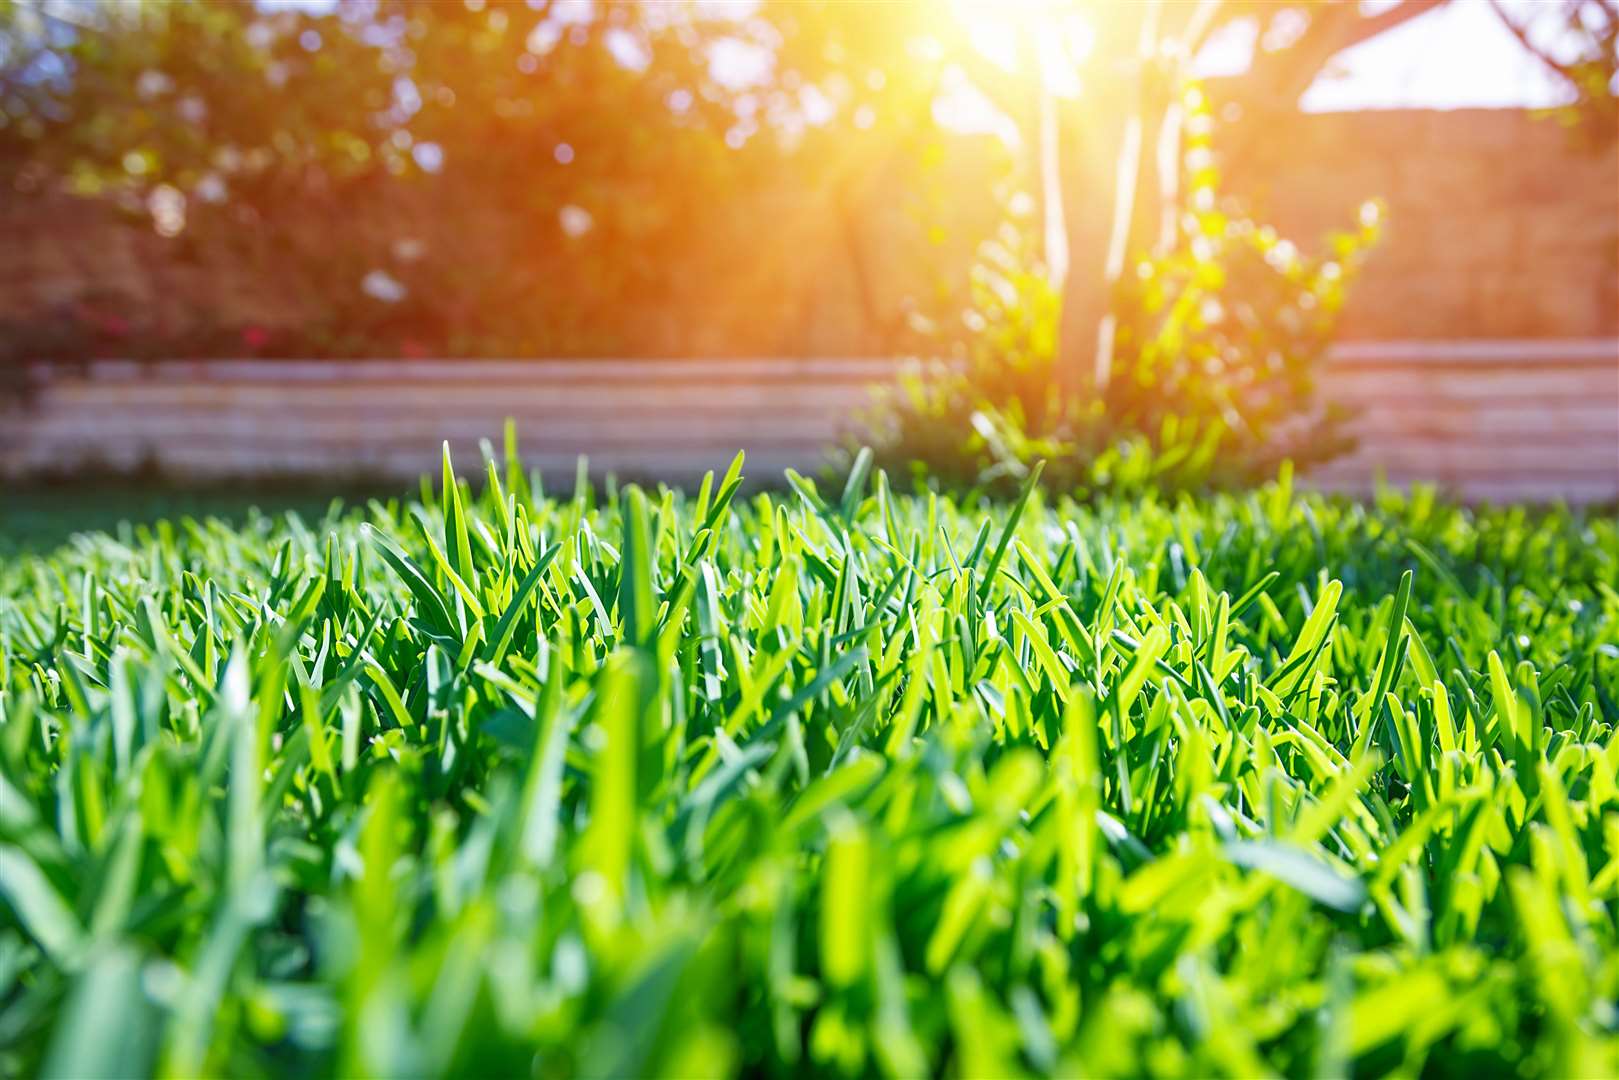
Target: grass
<point>839,782</point>
<point>37,518</point>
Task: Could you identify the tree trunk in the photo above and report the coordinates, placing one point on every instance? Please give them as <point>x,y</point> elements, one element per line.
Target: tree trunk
<point>1104,136</point>
<point>1121,139</point>
<point>1097,146</point>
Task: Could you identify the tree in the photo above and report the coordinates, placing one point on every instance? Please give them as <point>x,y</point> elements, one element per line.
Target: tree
<point>1116,200</point>
<point>524,175</point>
<point>1106,161</point>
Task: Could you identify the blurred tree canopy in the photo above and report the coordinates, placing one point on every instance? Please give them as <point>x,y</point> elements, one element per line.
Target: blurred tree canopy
<point>492,177</point>
<point>469,177</point>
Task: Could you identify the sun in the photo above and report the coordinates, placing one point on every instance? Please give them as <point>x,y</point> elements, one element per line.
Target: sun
<point>1038,39</point>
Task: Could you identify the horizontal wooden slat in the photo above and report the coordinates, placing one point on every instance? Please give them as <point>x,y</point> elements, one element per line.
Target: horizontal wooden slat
<point>495,399</point>
<point>1560,386</point>
<point>746,371</point>
<point>1404,354</point>
<point>1482,351</point>
<point>334,429</point>
<point>1474,456</point>
<point>1513,420</point>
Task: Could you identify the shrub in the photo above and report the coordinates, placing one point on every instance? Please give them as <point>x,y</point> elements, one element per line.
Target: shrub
<point>1213,381</point>
<point>510,784</point>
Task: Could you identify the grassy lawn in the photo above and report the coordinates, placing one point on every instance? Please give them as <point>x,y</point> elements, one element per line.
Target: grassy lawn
<point>35,519</point>
<point>837,783</point>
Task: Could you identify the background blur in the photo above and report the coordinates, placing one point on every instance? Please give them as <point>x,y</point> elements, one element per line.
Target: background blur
<point>312,239</point>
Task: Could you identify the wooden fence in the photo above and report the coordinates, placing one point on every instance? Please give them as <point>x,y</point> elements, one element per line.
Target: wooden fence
<point>1496,420</point>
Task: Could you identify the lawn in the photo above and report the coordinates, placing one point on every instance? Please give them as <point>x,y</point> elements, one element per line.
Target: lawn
<point>836,783</point>
<point>42,516</point>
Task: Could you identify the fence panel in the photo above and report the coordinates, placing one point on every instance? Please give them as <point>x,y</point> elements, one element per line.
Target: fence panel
<point>1497,420</point>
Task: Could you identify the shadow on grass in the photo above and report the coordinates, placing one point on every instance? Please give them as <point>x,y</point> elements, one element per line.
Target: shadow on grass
<point>38,516</point>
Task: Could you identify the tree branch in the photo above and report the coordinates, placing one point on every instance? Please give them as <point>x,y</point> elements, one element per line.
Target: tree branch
<point>1551,63</point>
<point>1384,21</point>
<point>1331,31</point>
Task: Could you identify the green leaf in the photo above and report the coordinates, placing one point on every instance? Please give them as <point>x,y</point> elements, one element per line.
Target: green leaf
<point>635,593</point>
<point>39,907</point>
<point>1294,866</point>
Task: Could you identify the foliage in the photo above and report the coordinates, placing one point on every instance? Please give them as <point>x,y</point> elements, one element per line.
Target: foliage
<point>1578,42</point>
<point>1219,347</point>
<point>507,783</point>
<point>423,190</point>
<point>396,178</point>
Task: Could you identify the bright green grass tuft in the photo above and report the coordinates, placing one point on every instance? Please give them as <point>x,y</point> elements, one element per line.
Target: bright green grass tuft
<point>835,784</point>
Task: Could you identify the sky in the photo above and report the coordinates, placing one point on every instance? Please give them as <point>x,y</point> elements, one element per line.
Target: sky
<point>1457,56</point>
